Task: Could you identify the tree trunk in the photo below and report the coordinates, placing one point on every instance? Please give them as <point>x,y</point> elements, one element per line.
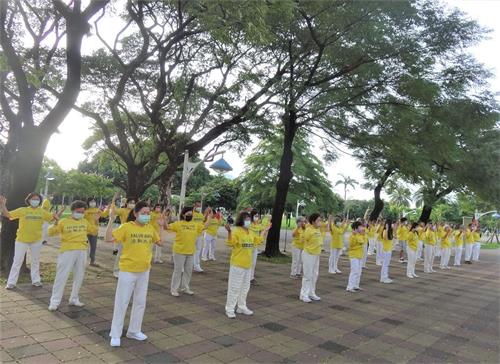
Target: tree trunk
<point>165,191</point>
<point>379,203</point>
<point>426,213</point>
<point>285,176</point>
<point>20,181</point>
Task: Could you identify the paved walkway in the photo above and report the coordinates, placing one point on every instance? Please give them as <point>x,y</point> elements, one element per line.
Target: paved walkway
<point>449,316</point>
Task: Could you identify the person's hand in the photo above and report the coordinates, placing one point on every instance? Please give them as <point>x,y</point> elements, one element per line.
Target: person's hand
<point>3,201</point>
<point>268,227</point>
<point>228,228</point>
<point>112,213</point>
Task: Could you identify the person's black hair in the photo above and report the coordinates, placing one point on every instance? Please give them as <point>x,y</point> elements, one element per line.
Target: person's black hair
<point>91,199</point>
<point>138,206</point>
<point>242,216</point>
<point>131,199</point>
<point>78,204</point>
<point>413,226</point>
<point>185,209</point>
<point>403,219</point>
<point>313,217</point>
<point>157,205</point>
<point>355,225</point>
<point>30,195</point>
<point>253,213</point>
<point>389,231</point>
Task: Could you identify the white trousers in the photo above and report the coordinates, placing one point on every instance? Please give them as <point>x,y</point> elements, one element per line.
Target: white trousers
<point>183,269</point>
<point>45,232</point>
<point>20,250</point>
<point>476,249</point>
<point>69,261</point>
<point>468,252</point>
<point>412,259</point>
<point>437,248</point>
<point>420,248</point>
<point>157,253</point>
<point>365,256</point>
<point>371,245</point>
<point>116,265</point>
<point>386,262</point>
<point>128,283</point>
<point>445,257</point>
<point>458,255</point>
<point>428,258</point>
<point>197,253</point>
<point>296,261</point>
<point>333,261</point>
<point>310,267</point>
<point>209,247</point>
<point>254,263</point>
<point>355,274</point>
<point>238,286</point>
<point>380,253</point>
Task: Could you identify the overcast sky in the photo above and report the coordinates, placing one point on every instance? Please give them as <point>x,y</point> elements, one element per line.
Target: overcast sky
<point>65,146</point>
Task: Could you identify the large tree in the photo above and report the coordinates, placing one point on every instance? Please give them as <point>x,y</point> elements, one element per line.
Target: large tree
<point>41,48</point>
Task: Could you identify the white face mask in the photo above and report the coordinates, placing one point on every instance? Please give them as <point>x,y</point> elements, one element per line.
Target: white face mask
<point>92,204</point>
<point>78,215</point>
<point>198,209</point>
<point>246,223</point>
<point>34,203</point>
<point>131,205</point>
<point>255,218</point>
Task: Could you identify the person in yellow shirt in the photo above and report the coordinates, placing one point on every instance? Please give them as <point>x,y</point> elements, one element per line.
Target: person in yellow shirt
<point>136,237</point>
<point>356,245</point>
<point>208,252</point>
<point>469,242</point>
<point>458,235</point>
<point>242,241</point>
<point>476,247</point>
<point>446,236</point>
<point>198,217</point>
<point>297,246</point>
<point>402,233</point>
<point>337,229</point>
<point>439,234</point>
<point>370,233</point>
<point>313,243</point>
<point>379,258</point>
<point>430,242</point>
<point>387,245</point>
<point>421,236</point>
<point>412,239</point>
<point>72,253</point>
<point>186,233</point>
<point>156,217</point>
<point>47,206</point>
<point>256,227</point>
<point>28,237</point>
<point>92,214</point>
<point>123,214</point>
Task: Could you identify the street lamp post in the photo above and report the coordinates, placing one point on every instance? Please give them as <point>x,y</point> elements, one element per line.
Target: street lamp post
<point>299,203</point>
<point>48,177</point>
<point>188,167</point>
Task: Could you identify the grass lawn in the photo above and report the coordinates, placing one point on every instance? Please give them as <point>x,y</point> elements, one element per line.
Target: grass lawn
<point>284,259</point>
<point>490,246</point>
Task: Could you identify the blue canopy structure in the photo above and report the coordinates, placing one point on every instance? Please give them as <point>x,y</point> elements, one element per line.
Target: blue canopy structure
<point>221,166</point>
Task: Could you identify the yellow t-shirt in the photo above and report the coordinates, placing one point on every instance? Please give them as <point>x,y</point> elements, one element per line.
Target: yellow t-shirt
<point>90,215</point>
<point>371,231</point>
<point>356,243</point>
<point>136,246</point>
<point>430,237</point>
<point>30,223</point>
<point>313,240</point>
<point>445,240</point>
<point>402,233</point>
<point>213,226</point>
<point>459,238</point>
<point>73,233</point>
<point>155,216</point>
<point>421,233</point>
<point>386,243</point>
<point>469,237</point>
<point>243,243</point>
<point>412,240</point>
<point>123,213</point>
<point>185,236</point>
<point>337,236</point>
<point>198,217</point>
<point>476,236</point>
<point>46,205</point>
<point>298,239</point>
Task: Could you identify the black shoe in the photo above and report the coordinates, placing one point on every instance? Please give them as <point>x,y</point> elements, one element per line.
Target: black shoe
<point>253,282</point>
<point>44,242</point>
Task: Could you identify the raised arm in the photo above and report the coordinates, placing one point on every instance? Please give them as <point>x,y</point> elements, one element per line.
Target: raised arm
<point>109,229</point>
<point>3,207</point>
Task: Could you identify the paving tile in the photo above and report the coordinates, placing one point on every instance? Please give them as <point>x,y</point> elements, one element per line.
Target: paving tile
<point>161,358</point>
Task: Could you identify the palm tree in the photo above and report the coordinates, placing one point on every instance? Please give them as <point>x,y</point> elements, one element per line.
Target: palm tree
<point>400,197</point>
<point>346,181</point>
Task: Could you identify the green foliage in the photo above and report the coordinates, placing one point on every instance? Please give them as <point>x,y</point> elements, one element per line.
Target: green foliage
<point>309,183</point>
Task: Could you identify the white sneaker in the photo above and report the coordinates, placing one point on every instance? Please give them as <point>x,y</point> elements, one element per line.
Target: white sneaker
<point>338,271</point>
<point>188,291</point>
<point>230,314</point>
<point>305,299</point>
<point>315,298</point>
<point>52,307</point>
<point>410,276</point>
<point>198,269</point>
<point>351,290</point>
<point>332,272</point>
<point>293,277</point>
<point>386,281</point>
<point>76,303</point>
<point>175,294</point>
<point>244,311</point>
<point>115,341</point>
<point>10,286</point>
<point>136,336</point>
<point>37,284</point>
<point>115,274</point>
<point>415,276</point>
<point>213,259</point>
<point>204,259</point>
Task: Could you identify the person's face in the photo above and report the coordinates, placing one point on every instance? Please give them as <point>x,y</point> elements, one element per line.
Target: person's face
<point>144,211</point>
<point>317,222</point>
<point>158,209</point>
<point>360,229</point>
